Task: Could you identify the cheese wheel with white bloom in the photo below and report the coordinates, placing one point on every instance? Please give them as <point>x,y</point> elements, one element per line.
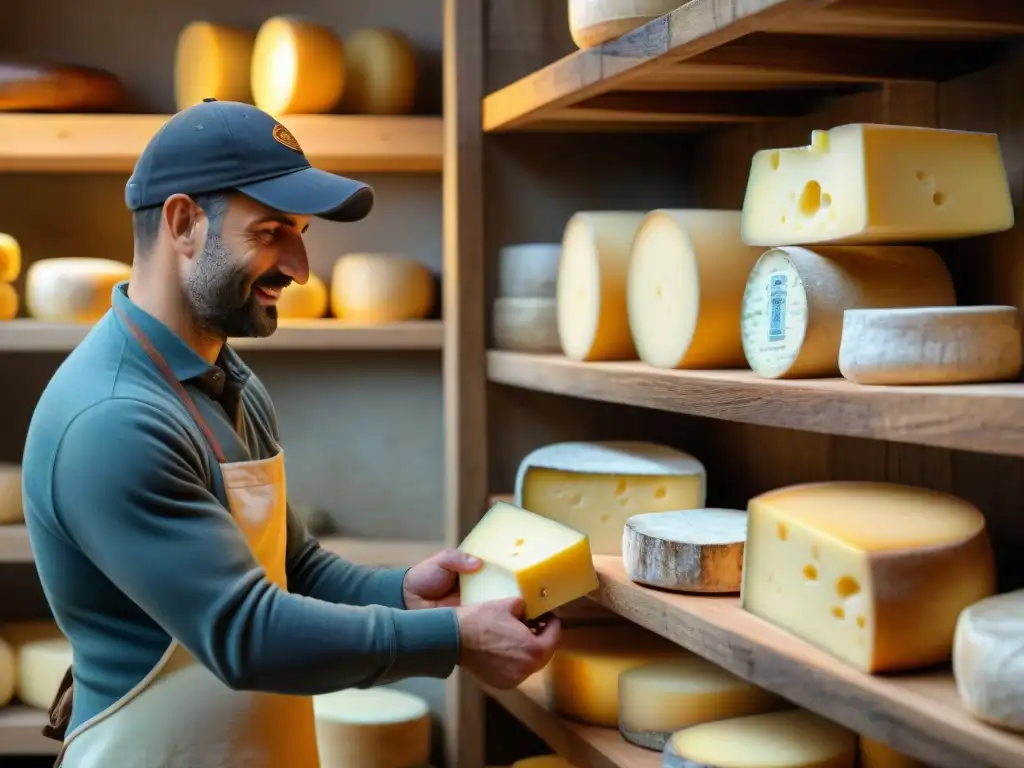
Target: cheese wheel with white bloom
<point>380,288</point>
<point>72,289</point>
<point>592,22</point>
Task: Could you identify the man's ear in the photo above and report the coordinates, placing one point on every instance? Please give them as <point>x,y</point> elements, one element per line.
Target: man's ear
<point>185,225</point>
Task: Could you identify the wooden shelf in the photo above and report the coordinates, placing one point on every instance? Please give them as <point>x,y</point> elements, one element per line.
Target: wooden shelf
<point>21,732</point>
<point>725,62</point>
<point>987,418</point>
<point>25,335</point>
<point>112,143</point>
<point>585,746</point>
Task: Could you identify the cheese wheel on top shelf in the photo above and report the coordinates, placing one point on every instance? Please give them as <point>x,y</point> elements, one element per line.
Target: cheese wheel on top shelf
<point>526,325</point>
<point>988,660</point>
<point>9,302</point>
<point>795,298</point>
<point>380,288</point>
<point>71,289</point>
<point>297,67</point>
<point>875,574</point>
<point>372,728</point>
<point>529,270</point>
<point>303,302</point>
<point>592,22</point>
<point>212,61</point>
<point>594,487</point>
<point>11,510</point>
<point>41,668</point>
<point>875,754</point>
<point>593,322</point>
<point>687,273</point>
<point>792,738</point>
<point>380,73</point>
<point>693,550</point>
<point>930,345</point>
<point>10,258</point>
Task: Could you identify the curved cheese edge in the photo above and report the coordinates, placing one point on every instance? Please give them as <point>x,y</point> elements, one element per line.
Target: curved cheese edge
<point>529,270</point>
<point>380,288</point>
<point>11,509</point>
<point>373,726</point>
<point>72,289</point>
<point>526,325</point>
<point>875,754</point>
<point>370,706</point>
<point>875,574</point>
<point>9,302</point>
<point>212,60</point>
<point>592,22</point>
<point>795,298</point>
<point>694,550</point>
<point>380,73</point>
<point>41,668</point>
<point>298,67</point>
<point>687,274</point>
<point>303,302</point>
<point>10,258</point>
<point>988,660</point>
<point>930,345</point>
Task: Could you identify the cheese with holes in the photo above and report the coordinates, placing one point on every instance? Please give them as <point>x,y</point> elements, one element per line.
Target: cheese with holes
<point>792,738</point>
<point>11,510</point>
<point>988,660</point>
<point>930,345</point>
<point>212,61</point>
<point>582,677</point>
<point>8,673</point>
<point>380,73</point>
<point>594,487</point>
<point>303,302</point>
<point>380,288</point>
<point>543,761</point>
<point>875,754</point>
<point>374,727</point>
<point>10,258</point>
<point>592,22</point>
<point>529,270</point>
<point>662,697</point>
<point>593,320</point>
<point>878,184</point>
<point>526,325</point>
<point>525,555</point>
<point>297,67</point>
<point>687,273</point>
<point>9,302</point>
<point>795,298</point>
<point>873,573</point>
<point>41,668</point>
<point>693,550</point>
<point>72,289</point>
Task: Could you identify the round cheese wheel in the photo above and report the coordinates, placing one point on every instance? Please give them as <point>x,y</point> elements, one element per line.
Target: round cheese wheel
<point>380,73</point>
<point>9,303</point>
<point>529,270</point>
<point>297,67</point>
<point>212,60</point>
<point>10,258</point>
<point>372,728</point>
<point>380,288</point>
<point>526,325</point>
<point>592,22</point>
<point>8,673</point>
<point>303,302</point>
<point>41,668</point>
<point>10,491</point>
<point>71,289</point>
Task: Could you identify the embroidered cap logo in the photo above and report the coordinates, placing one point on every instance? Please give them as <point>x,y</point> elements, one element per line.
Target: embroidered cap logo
<point>284,136</point>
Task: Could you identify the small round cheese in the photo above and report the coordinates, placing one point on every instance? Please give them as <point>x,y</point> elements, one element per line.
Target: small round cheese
<point>592,22</point>
<point>526,325</point>
<point>380,288</point>
<point>72,289</point>
<point>212,61</point>
<point>372,728</point>
<point>297,67</point>
<point>303,302</point>
<point>380,73</point>
<point>42,665</point>
<point>9,302</point>
<point>529,270</point>
<point>10,258</point>
<point>10,493</point>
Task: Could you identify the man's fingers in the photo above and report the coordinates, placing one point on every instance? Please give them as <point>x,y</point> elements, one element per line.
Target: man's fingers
<point>458,562</point>
<point>547,636</point>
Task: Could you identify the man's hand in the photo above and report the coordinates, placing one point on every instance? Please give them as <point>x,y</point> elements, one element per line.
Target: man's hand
<point>498,647</point>
<point>434,583</point>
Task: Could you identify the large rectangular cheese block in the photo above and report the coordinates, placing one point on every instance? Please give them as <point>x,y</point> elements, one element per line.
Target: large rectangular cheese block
<point>874,573</point>
<point>866,183</point>
<point>594,487</point>
<point>525,555</point>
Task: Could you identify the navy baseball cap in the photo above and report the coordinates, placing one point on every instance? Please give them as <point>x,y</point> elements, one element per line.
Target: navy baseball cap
<point>226,145</point>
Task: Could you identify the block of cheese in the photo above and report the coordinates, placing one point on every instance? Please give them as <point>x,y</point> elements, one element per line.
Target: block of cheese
<point>582,678</point>
<point>593,321</point>
<point>72,289</point>
<point>212,61</point>
<point>529,270</point>
<point>525,555</point>
<point>9,303</point>
<point>795,298</point>
<point>380,73</point>
<point>873,573</point>
<point>41,667</point>
<point>8,673</point>
<point>374,727</point>
<point>687,273</point>
<point>543,761</point>
<point>693,550</point>
<point>988,660</point>
<point>526,325</point>
<point>10,258</point>
<point>875,754</point>
<point>867,183</point>
<point>10,494</point>
<point>792,738</point>
<point>594,487</point>
<point>303,302</point>
<point>662,697</point>
<point>930,345</point>
<point>380,288</point>
<point>297,67</point>
<point>592,22</point>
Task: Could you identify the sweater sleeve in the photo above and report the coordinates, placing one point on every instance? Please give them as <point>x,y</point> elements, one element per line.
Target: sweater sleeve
<point>128,489</point>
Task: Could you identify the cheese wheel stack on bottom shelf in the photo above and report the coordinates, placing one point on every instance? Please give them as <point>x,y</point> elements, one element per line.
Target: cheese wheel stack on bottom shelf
<point>212,61</point>
<point>297,67</point>
<point>592,22</point>
<point>10,269</point>
<point>72,289</point>
<point>372,728</point>
<point>308,301</point>
<point>380,288</point>
<point>525,316</point>
<point>380,73</point>
<point>11,509</point>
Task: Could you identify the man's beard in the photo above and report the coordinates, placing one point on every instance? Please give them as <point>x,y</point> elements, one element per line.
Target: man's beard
<point>223,296</point>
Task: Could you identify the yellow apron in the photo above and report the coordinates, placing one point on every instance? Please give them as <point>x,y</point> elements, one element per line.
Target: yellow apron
<point>180,715</point>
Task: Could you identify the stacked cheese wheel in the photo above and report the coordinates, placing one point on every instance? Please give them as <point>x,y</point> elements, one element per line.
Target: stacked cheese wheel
<point>525,309</point>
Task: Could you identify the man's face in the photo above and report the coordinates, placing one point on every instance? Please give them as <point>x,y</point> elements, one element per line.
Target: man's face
<point>234,285</point>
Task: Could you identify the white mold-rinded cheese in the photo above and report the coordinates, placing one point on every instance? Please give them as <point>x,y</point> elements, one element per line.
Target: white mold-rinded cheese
<point>372,728</point>
<point>526,325</point>
<point>297,67</point>
<point>212,61</point>
<point>529,270</point>
<point>592,22</point>
<point>72,289</point>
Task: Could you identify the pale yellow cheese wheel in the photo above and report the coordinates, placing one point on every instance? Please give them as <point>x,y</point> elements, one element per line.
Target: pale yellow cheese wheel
<point>10,258</point>
<point>297,67</point>
<point>372,728</point>
<point>9,302</point>
<point>380,288</point>
<point>592,22</point>
<point>8,673</point>
<point>212,60</point>
<point>10,494</point>
<point>380,73</point>
<point>303,302</point>
<point>41,667</point>
<point>72,289</point>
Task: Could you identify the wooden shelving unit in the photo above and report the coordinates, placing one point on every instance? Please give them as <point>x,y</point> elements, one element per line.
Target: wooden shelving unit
<point>21,732</point>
